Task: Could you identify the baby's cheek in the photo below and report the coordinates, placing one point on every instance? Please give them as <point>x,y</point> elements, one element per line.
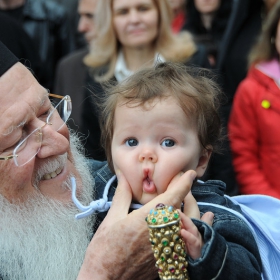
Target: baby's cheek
<point>115,161</point>
<point>123,162</point>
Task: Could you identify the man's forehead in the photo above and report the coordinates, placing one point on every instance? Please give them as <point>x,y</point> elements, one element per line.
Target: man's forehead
<point>21,96</point>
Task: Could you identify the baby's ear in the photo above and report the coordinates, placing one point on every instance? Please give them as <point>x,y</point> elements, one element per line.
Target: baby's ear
<point>203,161</point>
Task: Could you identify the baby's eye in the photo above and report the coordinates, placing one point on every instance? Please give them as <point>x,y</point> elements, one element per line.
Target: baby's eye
<point>131,142</point>
<point>168,143</point>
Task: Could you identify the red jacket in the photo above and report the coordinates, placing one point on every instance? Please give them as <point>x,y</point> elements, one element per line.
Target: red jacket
<point>254,131</point>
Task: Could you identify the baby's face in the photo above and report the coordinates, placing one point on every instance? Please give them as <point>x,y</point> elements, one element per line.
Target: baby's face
<point>151,146</point>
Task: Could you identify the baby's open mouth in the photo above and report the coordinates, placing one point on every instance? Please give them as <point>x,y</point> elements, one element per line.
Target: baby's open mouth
<point>148,185</point>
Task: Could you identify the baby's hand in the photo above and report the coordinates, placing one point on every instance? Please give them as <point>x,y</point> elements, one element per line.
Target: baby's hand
<point>190,207</point>
<point>191,236</point>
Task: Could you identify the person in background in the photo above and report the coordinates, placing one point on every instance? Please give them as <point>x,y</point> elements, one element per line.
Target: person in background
<point>254,122</point>
<point>47,25</point>
<point>241,33</point>
<point>39,237</point>
<point>207,21</point>
<point>71,72</point>
<point>268,6</point>
<point>71,7</point>
<point>18,41</point>
<point>131,34</point>
<point>179,14</point>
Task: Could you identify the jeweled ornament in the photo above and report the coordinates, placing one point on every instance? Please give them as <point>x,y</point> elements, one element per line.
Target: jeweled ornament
<point>168,248</point>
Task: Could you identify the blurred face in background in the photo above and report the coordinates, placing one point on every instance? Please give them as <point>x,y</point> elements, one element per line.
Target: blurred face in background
<point>86,24</point>
<point>177,5</point>
<point>269,4</point>
<point>135,22</point>
<point>207,6</point>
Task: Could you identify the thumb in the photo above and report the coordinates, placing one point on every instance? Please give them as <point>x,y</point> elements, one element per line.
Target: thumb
<point>208,218</point>
<point>175,193</point>
<point>121,200</point>
<point>190,207</point>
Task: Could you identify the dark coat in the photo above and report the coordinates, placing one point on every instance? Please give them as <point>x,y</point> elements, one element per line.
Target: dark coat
<point>209,38</point>
<point>20,44</point>
<point>242,31</point>
<point>70,79</point>
<point>47,25</point>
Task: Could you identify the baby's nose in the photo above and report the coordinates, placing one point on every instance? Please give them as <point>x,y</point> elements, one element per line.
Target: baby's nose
<point>148,155</point>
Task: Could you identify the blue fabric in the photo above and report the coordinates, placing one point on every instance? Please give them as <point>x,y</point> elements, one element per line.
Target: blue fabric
<point>96,165</point>
<point>262,215</point>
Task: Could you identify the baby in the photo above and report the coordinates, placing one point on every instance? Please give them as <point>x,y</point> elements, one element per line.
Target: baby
<point>163,121</point>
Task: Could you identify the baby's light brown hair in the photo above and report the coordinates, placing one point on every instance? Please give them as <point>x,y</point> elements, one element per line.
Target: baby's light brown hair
<point>193,89</point>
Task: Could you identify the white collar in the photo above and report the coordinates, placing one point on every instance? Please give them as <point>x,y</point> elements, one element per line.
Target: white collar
<point>121,70</point>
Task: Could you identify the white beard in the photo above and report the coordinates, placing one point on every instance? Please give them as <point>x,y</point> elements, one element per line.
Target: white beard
<point>41,239</point>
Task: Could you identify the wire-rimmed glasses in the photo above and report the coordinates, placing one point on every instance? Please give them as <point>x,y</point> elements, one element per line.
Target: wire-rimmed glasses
<point>29,147</point>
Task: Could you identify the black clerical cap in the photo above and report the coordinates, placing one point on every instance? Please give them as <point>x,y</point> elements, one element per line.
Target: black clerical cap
<point>7,59</point>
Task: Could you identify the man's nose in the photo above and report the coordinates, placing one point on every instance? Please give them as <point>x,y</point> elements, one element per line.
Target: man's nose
<point>54,142</point>
<point>148,155</point>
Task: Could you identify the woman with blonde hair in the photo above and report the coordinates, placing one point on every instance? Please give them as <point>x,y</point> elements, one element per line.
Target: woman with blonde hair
<point>254,122</point>
<point>132,34</point>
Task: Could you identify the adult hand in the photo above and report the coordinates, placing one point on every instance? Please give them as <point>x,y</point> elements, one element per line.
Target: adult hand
<point>120,249</point>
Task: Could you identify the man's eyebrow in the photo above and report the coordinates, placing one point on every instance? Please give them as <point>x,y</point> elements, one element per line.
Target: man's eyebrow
<point>10,129</point>
<point>44,98</point>
<point>41,101</point>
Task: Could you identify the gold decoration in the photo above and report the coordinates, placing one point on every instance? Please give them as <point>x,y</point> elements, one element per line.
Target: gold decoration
<point>168,247</point>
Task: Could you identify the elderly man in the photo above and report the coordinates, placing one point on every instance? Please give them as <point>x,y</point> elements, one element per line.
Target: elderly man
<point>39,238</point>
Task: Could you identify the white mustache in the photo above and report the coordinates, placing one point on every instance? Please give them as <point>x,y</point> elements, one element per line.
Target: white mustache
<point>49,167</point>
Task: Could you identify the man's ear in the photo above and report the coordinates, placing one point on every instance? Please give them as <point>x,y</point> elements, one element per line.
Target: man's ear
<point>203,161</point>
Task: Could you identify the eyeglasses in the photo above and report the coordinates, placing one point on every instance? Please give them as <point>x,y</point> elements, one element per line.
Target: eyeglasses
<point>29,147</point>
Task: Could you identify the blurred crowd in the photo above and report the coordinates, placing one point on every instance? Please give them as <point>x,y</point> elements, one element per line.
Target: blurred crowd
<point>75,47</point>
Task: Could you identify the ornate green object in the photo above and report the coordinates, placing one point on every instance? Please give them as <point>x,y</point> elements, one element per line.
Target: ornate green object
<point>167,245</point>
